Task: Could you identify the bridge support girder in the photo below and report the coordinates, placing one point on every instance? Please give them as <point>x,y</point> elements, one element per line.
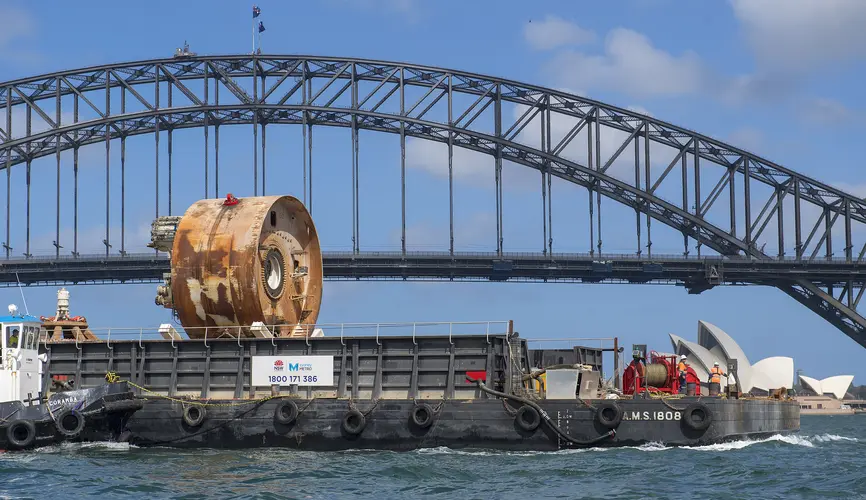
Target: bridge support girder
<point>846,319</point>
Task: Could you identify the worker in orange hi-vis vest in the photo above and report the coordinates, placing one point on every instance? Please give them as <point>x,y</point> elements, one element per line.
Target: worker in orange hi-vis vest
<point>682,368</point>
<point>716,375</point>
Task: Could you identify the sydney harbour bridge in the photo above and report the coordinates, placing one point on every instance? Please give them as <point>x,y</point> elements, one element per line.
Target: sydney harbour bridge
<point>741,219</point>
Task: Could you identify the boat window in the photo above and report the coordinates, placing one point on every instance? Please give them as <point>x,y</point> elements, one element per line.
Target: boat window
<point>12,336</point>
<point>30,338</point>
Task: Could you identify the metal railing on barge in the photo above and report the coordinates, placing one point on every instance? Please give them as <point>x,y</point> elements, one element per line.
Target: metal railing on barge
<point>371,360</point>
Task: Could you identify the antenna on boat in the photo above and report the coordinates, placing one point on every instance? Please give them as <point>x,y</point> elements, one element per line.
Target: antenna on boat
<point>26,311</point>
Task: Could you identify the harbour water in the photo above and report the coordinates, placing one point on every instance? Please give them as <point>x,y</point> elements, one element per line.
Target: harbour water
<point>824,460</point>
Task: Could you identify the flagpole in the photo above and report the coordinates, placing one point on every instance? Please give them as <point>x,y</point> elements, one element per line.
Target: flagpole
<point>254,34</point>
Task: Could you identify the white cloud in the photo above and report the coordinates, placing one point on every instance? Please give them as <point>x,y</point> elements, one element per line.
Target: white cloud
<point>858,190</point>
<point>639,109</point>
<point>747,138</point>
<point>474,232</point>
<point>37,123</point>
<point>827,112</point>
<point>477,169</point>
<point>15,24</point>
<point>469,167</point>
<point>555,32</point>
<point>632,65</point>
<point>801,35</point>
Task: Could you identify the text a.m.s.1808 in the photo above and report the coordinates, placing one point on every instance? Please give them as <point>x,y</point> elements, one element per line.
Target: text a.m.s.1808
<point>651,415</point>
<point>293,370</point>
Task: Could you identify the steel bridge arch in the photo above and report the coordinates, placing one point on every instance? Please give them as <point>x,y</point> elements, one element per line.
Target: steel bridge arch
<point>302,71</point>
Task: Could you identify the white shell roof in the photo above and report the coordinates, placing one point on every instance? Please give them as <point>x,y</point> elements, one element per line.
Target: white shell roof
<point>773,373</point>
<point>700,359</point>
<point>837,385</point>
<point>718,342</point>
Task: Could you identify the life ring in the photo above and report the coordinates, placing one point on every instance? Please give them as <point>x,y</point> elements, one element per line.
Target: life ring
<point>21,433</point>
<point>286,412</point>
<point>422,415</point>
<point>193,415</point>
<point>527,418</point>
<point>70,423</point>
<point>354,422</point>
<point>697,416</point>
<point>608,414</point>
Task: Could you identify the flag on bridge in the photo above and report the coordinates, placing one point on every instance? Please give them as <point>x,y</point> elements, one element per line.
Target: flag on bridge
<point>261,27</point>
<point>256,11</point>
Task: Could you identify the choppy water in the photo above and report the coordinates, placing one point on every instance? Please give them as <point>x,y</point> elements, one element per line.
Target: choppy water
<point>824,460</point>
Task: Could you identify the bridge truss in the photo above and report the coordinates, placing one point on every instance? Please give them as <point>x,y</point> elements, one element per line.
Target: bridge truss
<point>728,204</point>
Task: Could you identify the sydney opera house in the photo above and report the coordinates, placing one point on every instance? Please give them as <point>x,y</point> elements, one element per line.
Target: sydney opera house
<point>714,345</point>
<point>837,386</point>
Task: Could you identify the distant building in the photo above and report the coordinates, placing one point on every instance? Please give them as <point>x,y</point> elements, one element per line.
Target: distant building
<point>714,345</point>
<point>823,405</point>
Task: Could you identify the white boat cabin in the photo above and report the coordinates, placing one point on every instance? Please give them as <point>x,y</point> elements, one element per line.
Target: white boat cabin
<point>19,356</point>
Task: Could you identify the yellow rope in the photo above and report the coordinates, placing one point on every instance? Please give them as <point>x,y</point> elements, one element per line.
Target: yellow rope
<point>664,395</point>
<point>112,377</point>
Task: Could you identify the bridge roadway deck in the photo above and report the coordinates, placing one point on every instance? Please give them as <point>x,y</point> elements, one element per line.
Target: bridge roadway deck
<point>696,273</point>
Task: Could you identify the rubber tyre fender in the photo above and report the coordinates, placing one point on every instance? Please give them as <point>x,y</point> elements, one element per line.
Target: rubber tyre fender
<point>354,422</point>
<point>12,434</point>
<point>527,418</point>
<point>62,420</point>
<point>193,415</point>
<point>422,415</point>
<point>698,425</point>
<point>286,412</point>
<point>603,409</point>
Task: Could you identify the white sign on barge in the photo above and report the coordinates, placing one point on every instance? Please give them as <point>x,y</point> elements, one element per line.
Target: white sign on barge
<point>293,370</point>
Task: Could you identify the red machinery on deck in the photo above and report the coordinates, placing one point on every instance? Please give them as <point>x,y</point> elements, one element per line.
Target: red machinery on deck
<point>659,375</point>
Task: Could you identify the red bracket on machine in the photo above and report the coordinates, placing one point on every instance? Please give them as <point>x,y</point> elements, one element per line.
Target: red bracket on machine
<point>479,375</point>
<point>230,200</point>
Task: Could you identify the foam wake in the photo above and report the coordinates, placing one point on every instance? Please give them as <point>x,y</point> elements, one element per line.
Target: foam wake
<point>93,445</point>
<point>790,439</point>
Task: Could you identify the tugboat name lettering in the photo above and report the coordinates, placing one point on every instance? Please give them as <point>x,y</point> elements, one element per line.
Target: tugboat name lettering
<point>651,415</point>
<point>63,401</point>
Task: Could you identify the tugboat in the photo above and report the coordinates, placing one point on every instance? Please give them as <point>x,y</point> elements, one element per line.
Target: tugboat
<point>252,368</point>
<point>29,419</point>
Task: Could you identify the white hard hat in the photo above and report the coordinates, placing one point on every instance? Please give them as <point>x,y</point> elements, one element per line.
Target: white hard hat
<point>716,363</point>
<point>682,356</point>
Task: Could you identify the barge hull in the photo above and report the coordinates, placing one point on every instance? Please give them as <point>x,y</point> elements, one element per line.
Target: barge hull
<point>458,424</point>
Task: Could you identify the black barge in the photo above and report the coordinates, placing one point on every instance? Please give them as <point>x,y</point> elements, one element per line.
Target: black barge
<point>395,393</point>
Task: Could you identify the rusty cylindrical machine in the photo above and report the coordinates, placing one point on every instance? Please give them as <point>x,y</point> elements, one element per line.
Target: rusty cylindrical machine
<point>238,261</point>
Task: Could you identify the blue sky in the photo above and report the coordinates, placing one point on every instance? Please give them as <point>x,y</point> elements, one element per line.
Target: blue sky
<point>783,82</point>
